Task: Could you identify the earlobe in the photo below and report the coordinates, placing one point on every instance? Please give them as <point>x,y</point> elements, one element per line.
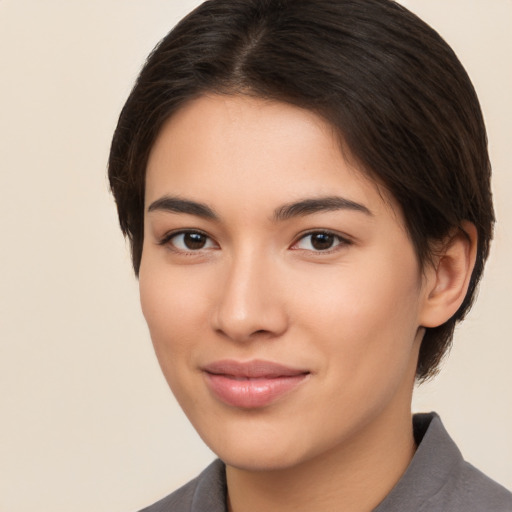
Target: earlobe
<point>448,278</point>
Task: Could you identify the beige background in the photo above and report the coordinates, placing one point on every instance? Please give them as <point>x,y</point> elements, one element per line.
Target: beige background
<point>87,422</point>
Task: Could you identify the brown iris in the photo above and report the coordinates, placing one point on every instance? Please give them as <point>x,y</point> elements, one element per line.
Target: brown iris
<point>194,241</point>
<point>322,241</point>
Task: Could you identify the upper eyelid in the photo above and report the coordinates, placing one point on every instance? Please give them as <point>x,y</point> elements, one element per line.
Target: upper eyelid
<point>343,241</point>
<point>181,231</point>
<point>341,236</point>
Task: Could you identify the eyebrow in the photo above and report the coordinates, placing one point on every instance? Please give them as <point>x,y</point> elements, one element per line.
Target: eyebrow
<point>178,205</point>
<point>315,205</point>
<point>296,209</point>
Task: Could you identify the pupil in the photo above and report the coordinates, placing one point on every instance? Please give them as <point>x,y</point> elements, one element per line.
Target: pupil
<point>322,241</point>
<point>194,240</point>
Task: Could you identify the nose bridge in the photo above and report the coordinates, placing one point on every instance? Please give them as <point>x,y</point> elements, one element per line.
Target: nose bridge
<point>249,302</point>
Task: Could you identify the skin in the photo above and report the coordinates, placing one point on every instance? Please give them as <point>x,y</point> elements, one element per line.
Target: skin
<point>257,287</point>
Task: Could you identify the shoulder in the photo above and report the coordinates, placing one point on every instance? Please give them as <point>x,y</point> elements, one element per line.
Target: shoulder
<point>205,493</point>
<point>438,479</point>
<point>179,501</point>
<point>471,490</point>
<point>464,487</point>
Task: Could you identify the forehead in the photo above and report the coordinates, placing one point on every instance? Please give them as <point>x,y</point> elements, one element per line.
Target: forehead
<point>254,151</point>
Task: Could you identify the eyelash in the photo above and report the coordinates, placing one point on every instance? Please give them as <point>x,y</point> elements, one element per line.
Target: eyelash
<point>341,241</point>
<point>167,238</point>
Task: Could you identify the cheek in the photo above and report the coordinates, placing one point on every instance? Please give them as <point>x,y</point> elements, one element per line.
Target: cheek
<point>172,307</point>
<point>366,316</point>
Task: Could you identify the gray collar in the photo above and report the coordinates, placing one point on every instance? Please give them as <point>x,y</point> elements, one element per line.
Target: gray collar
<point>435,460</point>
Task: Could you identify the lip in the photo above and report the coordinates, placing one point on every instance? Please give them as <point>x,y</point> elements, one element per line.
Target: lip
<point>252,384</point>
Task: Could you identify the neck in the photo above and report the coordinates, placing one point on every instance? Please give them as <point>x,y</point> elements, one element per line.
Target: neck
<point>356,477</point>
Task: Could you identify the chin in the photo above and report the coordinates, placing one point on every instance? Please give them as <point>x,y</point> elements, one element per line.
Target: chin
<point>259,449</point>
<point>256,461</point>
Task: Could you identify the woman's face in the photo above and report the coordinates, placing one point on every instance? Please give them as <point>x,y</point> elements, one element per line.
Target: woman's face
<point>281,290</point>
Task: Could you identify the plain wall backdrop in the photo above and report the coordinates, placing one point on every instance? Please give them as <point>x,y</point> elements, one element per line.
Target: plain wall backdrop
<point>87,422</point>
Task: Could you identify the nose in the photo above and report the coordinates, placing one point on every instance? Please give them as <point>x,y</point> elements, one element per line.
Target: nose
<point>250,301</point>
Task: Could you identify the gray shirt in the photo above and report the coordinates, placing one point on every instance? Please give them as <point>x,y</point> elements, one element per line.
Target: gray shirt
<point>437,480</point>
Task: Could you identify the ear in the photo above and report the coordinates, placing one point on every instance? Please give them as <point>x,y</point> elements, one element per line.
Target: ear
<point>447,278</point>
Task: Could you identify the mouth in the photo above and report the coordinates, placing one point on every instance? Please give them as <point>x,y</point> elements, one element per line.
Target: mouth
<point>253,384</point>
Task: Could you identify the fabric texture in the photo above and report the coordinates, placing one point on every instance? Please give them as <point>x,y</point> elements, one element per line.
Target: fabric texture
<point>437,480</point>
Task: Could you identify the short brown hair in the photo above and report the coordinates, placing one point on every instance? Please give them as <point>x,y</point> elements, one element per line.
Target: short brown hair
<point>388,83</point>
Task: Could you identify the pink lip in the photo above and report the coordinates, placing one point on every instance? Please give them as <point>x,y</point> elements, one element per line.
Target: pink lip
<point>251,384</point>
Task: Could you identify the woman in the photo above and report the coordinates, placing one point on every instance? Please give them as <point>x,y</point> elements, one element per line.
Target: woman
<point>306,188</point>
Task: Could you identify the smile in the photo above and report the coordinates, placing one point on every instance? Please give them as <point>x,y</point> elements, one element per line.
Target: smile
<point>253,384</point>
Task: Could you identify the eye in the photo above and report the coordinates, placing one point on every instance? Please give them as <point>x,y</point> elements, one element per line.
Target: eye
<point>187,241</point>
<point>319,241</point>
